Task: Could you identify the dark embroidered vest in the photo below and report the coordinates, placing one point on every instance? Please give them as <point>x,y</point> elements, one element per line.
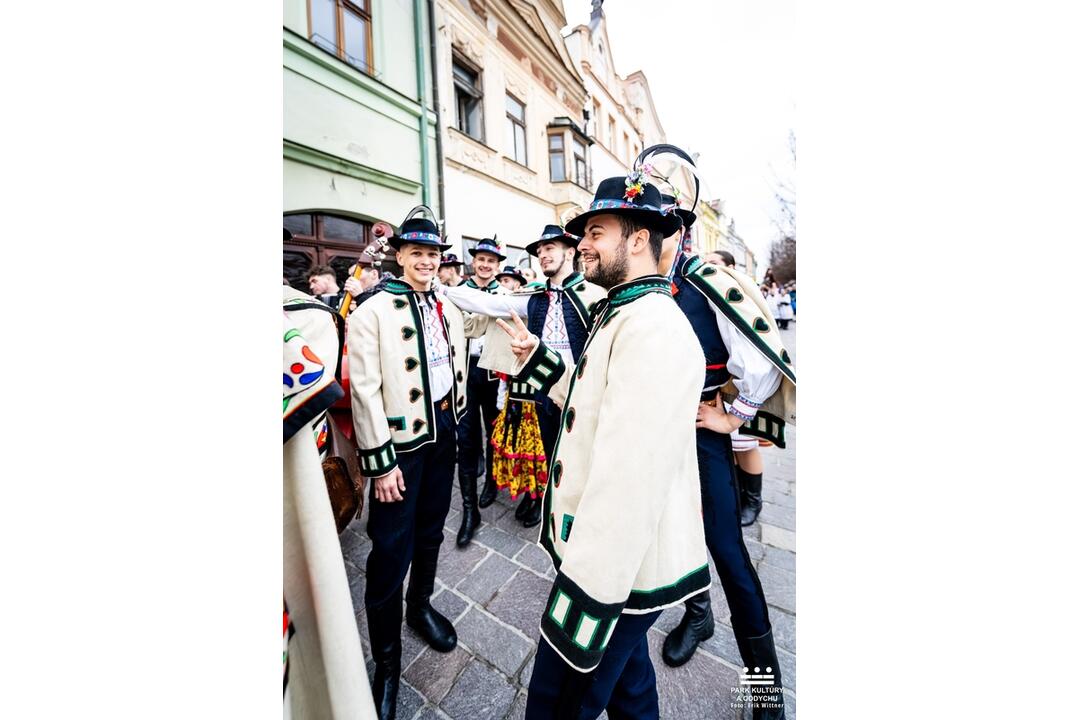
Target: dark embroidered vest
<point>576,329</point>
<point>699,312</point>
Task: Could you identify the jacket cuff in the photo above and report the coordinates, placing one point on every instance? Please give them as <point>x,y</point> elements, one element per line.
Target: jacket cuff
<point>542,370</point>
<point>577,626</point>
<point>744,408</point>
<point>378,461</point>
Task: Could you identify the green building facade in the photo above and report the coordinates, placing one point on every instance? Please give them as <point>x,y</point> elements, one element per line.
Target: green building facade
<point>358,128</point>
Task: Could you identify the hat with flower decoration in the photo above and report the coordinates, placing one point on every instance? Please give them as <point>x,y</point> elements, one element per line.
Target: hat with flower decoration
<point>419,231</point>
<point>489,245</point>
<point>631,196</point>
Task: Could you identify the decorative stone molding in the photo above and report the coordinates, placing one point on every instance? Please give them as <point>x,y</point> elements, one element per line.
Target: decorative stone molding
<point>463,44</point>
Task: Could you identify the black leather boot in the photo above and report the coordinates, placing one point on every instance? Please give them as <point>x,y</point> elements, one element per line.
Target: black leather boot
<point>750,486</point>
<point>384,629</point>
<point>759,658</point>
<point>524,507</point>
<point>696,625</point>
<point>491,490</point>
<point>532,517</point>
<point>470,514</point>
<point>436,630</point>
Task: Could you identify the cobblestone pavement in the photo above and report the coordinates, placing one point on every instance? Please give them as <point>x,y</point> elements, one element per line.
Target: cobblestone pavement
<point>495,589</point>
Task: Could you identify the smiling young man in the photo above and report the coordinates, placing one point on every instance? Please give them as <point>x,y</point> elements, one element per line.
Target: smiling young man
<point>561,325</point>
<point>622,512</point>
<point>474,432</point>
<point>747,375</point>
<point>406,355</point>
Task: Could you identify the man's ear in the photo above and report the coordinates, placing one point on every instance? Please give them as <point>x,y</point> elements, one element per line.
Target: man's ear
<point>639,242</point>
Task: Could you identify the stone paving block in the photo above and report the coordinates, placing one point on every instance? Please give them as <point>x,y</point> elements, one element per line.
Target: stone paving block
<point>355,548</point>
<point>430,713</point>
<point>521,602</point>
<point>499,540</point>
<point>409,701</point>
<point>699,689</point>
<point>669,619</point>
<point>450,604</point>
<point>789,705</point>
<point>411,644</point>
<point>535,557</point>
<point>754,549</point>
<point>787,668</point>
<point>778,515</point>
<point>783,626</point>
<point>509,524</point>
<point>722,644</point>
<point>526,672</point>
<point>778,537</point>
<point>784,559</point>
<point>434,673</point>
<point>356,587</point>
<point>772,494</point>
<point>779,586</point>
<point>488,638</point>
<point>480,693</point>
<point>752,532</point>
<point>486,579</point>
<point>456,563</point>
<point>453,521</point>
<point>517,712</point>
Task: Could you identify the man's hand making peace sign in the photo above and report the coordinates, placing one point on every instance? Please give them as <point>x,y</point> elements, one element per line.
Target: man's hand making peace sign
<point>522,342</point>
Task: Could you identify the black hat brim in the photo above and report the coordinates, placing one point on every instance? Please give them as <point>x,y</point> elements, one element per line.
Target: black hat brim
<point>519,278</point>
<point>492,252</point>
<point>534,247</point>
<point>688,217</point>
<point>667,224</point>
<point>455,263</point>
<point>397,243</point>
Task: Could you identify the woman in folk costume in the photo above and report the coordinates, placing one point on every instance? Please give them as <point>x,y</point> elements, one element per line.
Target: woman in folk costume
<point>749,387</point>
<point>621,520</point>
<point>407,369</point>
<point>322,645</point>
<point>558,312</point>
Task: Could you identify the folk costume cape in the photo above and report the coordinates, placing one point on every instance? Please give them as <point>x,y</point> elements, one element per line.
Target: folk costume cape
<point>324,651</point>
<point>388,372</point>
<point>737,297</point>
<point>622,511</point>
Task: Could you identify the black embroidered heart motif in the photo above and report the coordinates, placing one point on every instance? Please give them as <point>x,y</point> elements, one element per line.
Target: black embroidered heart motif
<point>411,364</point>
<point>415,394</point>
<point>733,295</point>
<point>760,325</point>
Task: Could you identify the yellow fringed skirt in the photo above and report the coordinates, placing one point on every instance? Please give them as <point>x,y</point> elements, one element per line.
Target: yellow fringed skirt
<point>520,463</point>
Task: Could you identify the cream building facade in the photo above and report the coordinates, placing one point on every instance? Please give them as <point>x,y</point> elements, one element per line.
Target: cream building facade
<point>512,108</point>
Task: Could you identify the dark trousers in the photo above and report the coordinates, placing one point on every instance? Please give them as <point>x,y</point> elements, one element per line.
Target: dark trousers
<point>397,529</point>
<point>624,683</point>
<point>548,416</point>
<point>723,535</point>
<point>474,431</point>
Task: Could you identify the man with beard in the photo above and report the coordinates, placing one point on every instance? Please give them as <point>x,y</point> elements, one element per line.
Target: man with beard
<point>748,379</point>
<point>406,348</point>
<point>549,319</point>
<point>474,432</point>
<point>622,513</point>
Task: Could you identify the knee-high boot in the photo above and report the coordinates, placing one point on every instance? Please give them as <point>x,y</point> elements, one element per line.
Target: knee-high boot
<point>436,630</point>
<point>759,658</point>
<point>384,629</point>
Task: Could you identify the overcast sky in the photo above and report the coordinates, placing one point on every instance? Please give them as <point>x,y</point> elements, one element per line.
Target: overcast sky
<point>722,76</point>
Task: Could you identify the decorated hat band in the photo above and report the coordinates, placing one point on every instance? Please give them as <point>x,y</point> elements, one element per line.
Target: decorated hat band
<point>623,205</point>
<point>429,237</point>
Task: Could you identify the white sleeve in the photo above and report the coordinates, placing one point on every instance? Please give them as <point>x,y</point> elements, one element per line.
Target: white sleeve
<point>754,376</point>
<point>493,304</point>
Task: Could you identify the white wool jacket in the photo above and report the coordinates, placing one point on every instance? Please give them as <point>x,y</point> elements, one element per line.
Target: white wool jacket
<point>622,511</point>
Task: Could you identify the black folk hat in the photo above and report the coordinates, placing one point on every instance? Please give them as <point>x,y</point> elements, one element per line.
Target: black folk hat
<point>672,205</point>
<point>511,271</point>
<point>552,233</point>
<point>418,231</point>
<point>629,196</point>
<point>450,260</point>
<point>488,245</point>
